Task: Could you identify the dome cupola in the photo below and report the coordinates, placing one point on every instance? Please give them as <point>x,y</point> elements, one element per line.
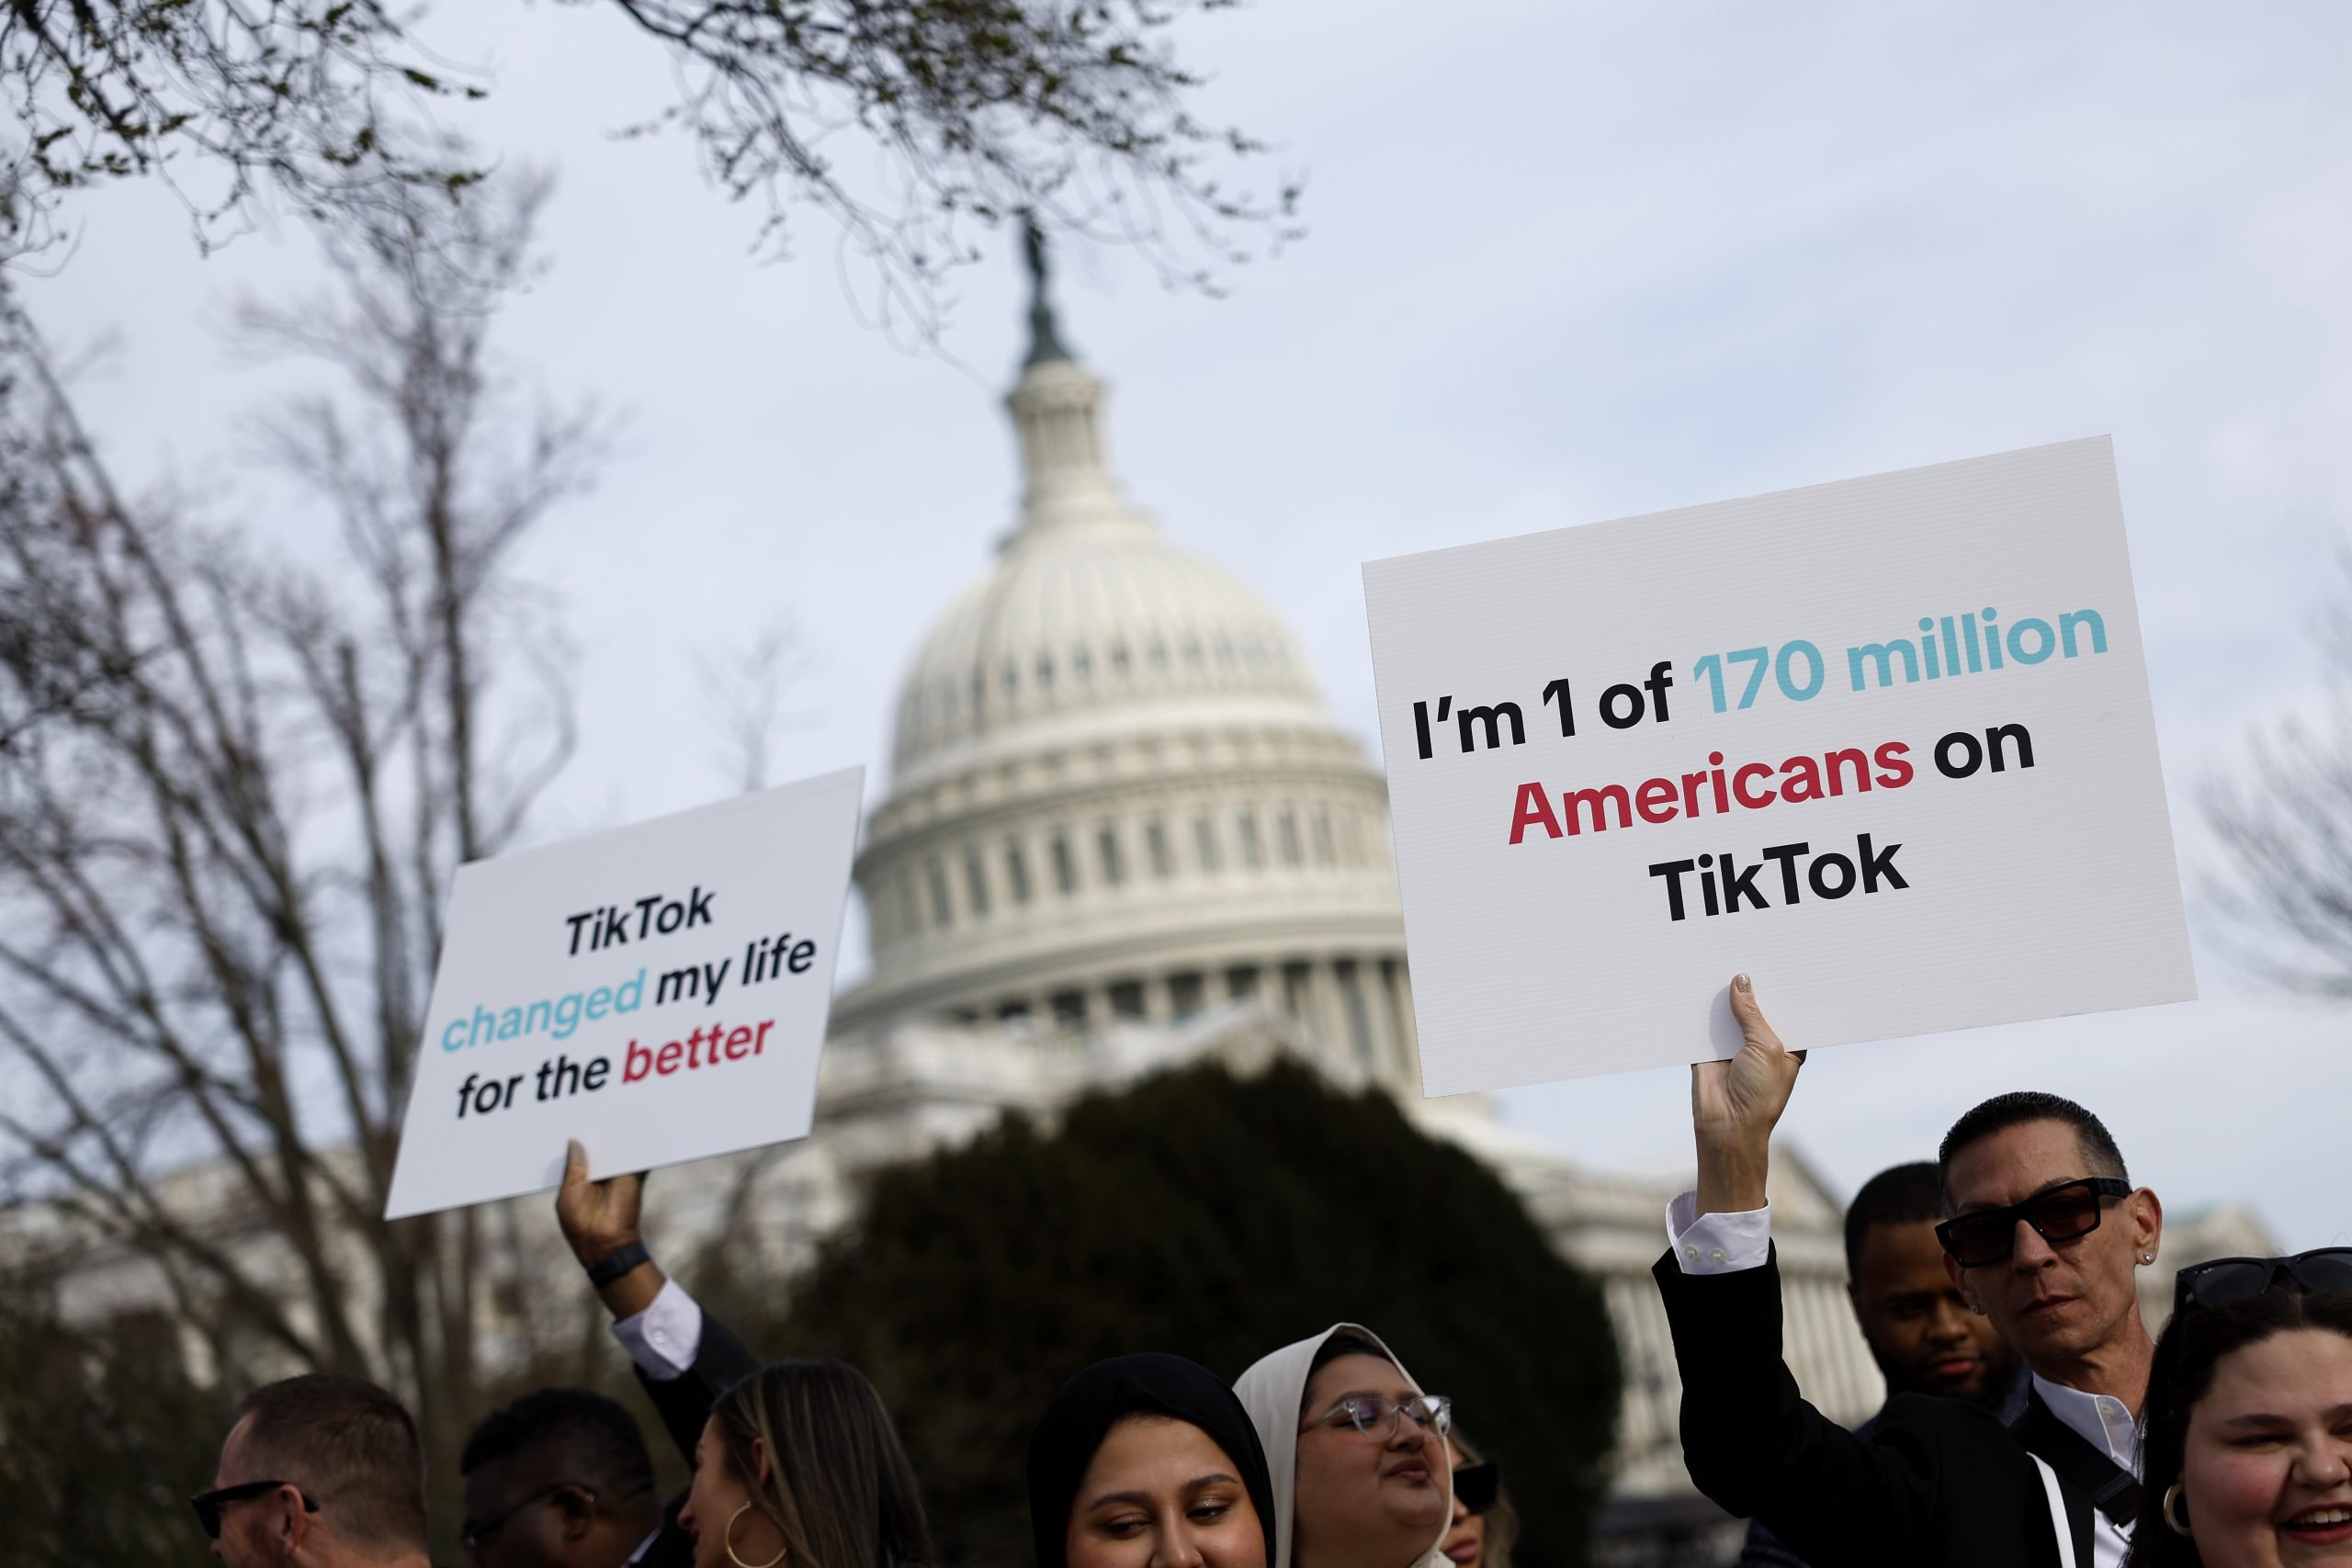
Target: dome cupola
<point>1089,613</point>
<point>1116,790</point>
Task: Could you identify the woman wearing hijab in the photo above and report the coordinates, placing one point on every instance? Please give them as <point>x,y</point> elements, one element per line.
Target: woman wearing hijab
<point>1145,1459</point>
<point>1357,1451</point>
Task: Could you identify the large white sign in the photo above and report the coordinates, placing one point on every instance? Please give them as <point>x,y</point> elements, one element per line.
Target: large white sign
<point>1885,744</point>
<point>659,992</point>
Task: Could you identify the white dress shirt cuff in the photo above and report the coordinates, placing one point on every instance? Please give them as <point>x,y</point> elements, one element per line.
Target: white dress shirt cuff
<point>663,1338</point>
<point>1717,1243</point>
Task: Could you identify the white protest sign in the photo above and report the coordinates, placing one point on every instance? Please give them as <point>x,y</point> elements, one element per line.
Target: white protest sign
<point>1885,744</point>
<point>659,992</point>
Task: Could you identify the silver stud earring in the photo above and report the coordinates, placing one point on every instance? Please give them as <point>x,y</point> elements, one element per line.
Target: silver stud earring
<point>2147,1258</point>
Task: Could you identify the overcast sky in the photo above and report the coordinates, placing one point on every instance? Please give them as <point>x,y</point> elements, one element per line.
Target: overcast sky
<point>1567,262</point>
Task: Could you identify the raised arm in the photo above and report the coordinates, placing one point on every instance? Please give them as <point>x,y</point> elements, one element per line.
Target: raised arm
<point>684,1356</point>
<point>1752,1441</point>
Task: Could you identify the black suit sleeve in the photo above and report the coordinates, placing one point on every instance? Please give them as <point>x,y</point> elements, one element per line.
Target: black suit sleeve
<point>720,1362</point>
<point>1757,1448</point>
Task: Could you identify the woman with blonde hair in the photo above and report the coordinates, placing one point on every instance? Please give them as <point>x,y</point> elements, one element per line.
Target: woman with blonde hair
<point>1486,1526</point>
<point>799,1467</point>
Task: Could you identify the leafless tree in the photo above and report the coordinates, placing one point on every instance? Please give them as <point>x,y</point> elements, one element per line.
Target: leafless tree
<point>2283,813</point>
<point>743,690</point>
<point>966,112</point>
<point>231,795</point>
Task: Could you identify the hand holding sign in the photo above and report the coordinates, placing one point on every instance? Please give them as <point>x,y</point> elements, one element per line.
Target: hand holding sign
<point>601,1220</point>
<point>1735,1105</point>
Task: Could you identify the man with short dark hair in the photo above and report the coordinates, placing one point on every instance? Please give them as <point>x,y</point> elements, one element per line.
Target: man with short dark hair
<point>320,1471</point>
<point>2043,1234</point>
<point>1918,1327</point>
<point>559,1479</point>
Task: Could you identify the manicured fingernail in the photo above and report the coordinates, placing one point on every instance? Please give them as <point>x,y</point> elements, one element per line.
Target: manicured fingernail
<point>1741,983</point>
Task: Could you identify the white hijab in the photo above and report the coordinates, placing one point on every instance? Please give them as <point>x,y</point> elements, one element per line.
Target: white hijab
<point>1271,1391</point>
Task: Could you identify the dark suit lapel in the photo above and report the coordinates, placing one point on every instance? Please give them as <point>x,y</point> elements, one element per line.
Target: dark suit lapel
<point>2083,1517</point>
<point>2076,1464</point>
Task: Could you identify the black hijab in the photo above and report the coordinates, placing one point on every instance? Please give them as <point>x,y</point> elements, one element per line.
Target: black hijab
<point>1107,1393</point>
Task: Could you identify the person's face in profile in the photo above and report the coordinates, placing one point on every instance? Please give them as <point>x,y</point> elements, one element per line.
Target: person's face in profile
<point>2265,1474</point>
<point>716,1506</point>
<point>2052,1301</point>
<point>1465,1541</point>
<point>1160,1491</point>
<point>1376,1499</point>
<point>1921,1329</point>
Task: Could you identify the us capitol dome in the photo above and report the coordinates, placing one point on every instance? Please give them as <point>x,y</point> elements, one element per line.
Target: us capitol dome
<point>1116,792</point>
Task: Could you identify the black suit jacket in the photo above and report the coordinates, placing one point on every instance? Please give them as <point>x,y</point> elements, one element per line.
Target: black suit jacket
<point>684,1401</point>
<point>1939,1482</point>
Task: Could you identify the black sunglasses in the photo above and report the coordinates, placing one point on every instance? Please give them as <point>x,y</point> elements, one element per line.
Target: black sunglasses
<point>2068,1211</point>
<point>2227,1279</point>
<point>1476,1487</point>
<point>207,1504</point>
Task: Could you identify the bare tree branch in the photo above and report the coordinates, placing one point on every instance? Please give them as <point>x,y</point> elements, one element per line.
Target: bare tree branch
<point>233,794</point>
<point>2284,816</point>
<point>970,112</point>
<point>743,690</point>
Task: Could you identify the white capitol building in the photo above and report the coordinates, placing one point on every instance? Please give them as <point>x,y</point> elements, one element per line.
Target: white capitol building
<point>1115,793</point>
<point>1123,831</point>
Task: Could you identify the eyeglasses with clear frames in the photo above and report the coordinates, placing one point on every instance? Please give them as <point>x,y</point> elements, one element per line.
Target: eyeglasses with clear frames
<point>1376,1417</point>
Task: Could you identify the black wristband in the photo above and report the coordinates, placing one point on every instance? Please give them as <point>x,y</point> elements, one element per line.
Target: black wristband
<point>619,1263</point>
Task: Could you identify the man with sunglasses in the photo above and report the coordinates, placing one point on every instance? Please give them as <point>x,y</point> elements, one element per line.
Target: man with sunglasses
<point>319,1472</point>
<point>2043,1231</point>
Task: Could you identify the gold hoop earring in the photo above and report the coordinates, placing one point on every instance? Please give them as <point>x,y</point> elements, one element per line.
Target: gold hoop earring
<point>2178,1521</point>
<point>730,1539</point>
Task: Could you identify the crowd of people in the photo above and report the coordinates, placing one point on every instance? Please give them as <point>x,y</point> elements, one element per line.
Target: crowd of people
<point>2030,1420</point>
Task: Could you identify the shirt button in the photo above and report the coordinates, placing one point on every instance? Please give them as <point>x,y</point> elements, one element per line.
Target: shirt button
<point>1691,1252</point>
<point>1717,1255</point>
<point>659,1337</point>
